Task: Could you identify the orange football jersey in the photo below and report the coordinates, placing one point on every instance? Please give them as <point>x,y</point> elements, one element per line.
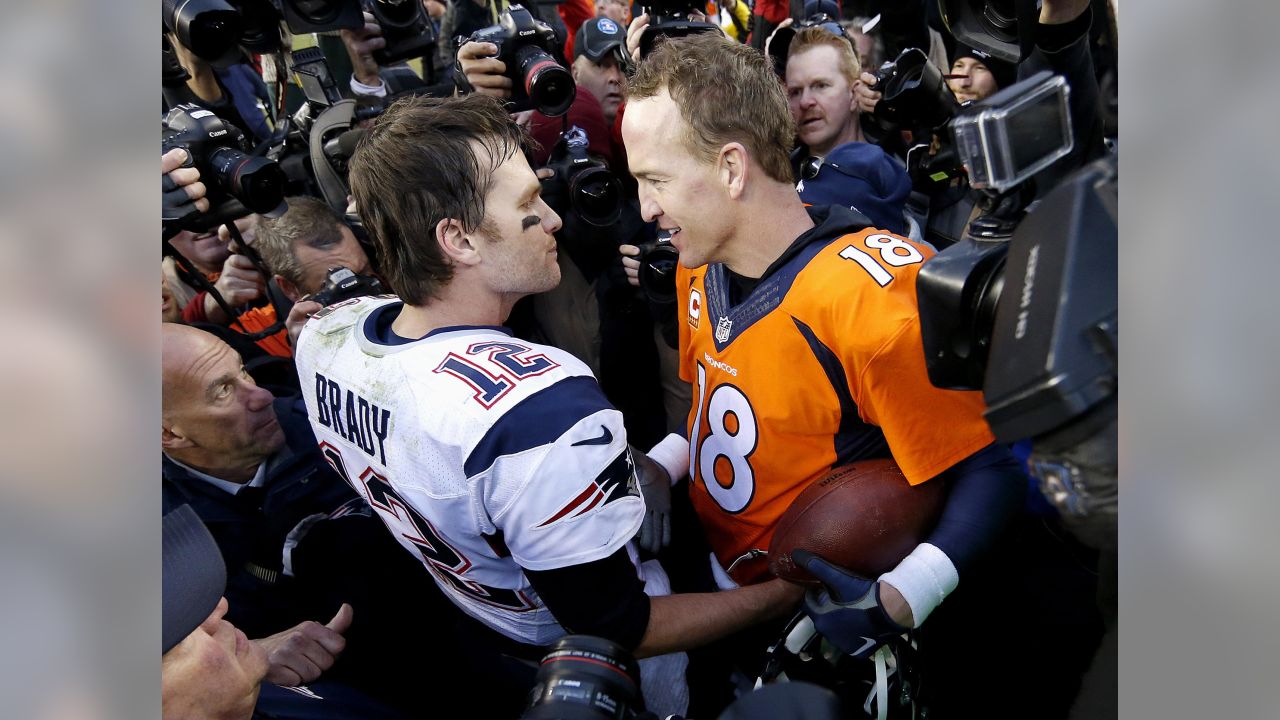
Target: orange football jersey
<point>820,365</point>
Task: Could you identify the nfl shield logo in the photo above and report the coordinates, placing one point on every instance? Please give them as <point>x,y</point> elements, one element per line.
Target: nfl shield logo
<point>722,329</point>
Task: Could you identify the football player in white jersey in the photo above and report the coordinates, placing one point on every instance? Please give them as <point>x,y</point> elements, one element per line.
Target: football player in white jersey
<point>499,463</point>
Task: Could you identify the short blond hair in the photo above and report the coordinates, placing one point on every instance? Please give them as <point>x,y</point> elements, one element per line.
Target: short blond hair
<point>727,92</point>
<point>817,36</point>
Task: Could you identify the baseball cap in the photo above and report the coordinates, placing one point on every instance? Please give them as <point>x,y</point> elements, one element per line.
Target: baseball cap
<point>862,177</point>
<point>822,7</point>
<point>597,37</point>
<point>194,576</point>
<point>1004,73</point>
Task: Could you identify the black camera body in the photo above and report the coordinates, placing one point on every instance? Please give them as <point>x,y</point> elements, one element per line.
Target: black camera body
<point>658,262</point>
<point>593,192</point>
<point>526,45</point>
<point>406,28</point>
<point>219,150</point>
<point>670,18</point>
<point>343,284</point>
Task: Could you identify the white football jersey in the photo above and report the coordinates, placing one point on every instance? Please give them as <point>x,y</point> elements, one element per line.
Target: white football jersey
<point>483,454</point>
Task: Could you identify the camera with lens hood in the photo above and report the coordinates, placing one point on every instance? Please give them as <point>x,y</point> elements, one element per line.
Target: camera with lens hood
<point>525,46</point>
<point>220,151</point>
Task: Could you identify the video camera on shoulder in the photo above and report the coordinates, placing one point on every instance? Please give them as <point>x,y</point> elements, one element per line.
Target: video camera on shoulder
<point>593,192</point>
<point>238,183</point>
<point>343,284</point>
<point>525,46</point>
<point>670,18</point>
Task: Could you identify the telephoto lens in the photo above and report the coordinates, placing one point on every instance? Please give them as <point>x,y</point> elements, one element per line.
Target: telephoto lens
<point>549,86</point>
<point>255,181</point>
<point>585,678</point>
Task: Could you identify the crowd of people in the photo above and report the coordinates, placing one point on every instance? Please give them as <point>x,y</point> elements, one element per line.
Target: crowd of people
<point>415,433</point>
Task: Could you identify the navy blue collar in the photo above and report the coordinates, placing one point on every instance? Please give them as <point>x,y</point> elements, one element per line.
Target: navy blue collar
<point>377,327</point>
<point>730,320</point>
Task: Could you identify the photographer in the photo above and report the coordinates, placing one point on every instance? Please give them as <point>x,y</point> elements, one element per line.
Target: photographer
<point>300,247</point>
<point>1061,44</point>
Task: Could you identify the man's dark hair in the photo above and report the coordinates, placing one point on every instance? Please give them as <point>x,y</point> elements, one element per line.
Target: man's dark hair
<point>308,221</point>
<point>420,164</point>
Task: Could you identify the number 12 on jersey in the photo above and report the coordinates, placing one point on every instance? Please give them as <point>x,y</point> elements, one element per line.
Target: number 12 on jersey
<point>732,438</point>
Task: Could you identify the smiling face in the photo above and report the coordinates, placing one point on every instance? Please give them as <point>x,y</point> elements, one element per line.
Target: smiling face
<point>515,241</point>
<point>677,190</point>
<point>821,99</point>
<point>978,84</point>
<point>214,415</point>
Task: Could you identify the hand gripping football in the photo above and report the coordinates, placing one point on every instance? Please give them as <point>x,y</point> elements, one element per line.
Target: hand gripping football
<point>864,517</point>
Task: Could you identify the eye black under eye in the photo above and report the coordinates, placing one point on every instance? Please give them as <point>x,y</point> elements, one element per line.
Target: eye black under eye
<point>529,222</point>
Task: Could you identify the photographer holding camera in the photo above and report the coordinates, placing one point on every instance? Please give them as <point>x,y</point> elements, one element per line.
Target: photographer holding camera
<point>301,248</point>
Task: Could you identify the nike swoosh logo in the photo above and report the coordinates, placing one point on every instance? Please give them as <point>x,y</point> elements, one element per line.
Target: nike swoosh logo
<point>867,645</point>
<point>604,439</point>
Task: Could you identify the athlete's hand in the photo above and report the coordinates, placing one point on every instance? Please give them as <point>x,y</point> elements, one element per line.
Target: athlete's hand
<point>847,610</point>
<point>301,653</point>
<point>655,486</point>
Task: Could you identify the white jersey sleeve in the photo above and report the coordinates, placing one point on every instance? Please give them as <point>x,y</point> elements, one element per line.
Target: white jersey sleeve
<point>485,455</point>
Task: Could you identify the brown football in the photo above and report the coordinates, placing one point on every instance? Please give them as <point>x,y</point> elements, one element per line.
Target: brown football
<point>863,517</point>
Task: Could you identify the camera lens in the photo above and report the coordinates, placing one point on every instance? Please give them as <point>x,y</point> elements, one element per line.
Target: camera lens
<point>585,678</point>
<point>658,273</point>
<point>549,86</point>
<point>257,182</point>
<point>597,196</point>
<point>209,28</point>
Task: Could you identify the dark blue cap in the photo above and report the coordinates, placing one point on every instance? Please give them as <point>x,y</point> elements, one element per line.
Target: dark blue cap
<point>193,576</point>
<point>862,177</point>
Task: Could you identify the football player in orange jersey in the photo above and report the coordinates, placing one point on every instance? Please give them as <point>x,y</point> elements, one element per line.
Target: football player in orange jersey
<point>799,331</point>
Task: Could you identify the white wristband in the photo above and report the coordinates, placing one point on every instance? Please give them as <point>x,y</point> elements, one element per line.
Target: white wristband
<point>925,578</point>
<point>672,453</point>
<point>359,88</point>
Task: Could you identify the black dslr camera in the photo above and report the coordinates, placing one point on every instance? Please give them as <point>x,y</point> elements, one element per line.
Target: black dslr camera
<point>525,46</point>
<point>343,284</point>
<point>219,150</point>
<point>406,28</point>
<point>594,194</point>
<point>658,261</point>
<point>670,18</point>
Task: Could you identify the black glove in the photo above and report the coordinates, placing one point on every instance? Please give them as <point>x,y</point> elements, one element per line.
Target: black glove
<point>847,610</point>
